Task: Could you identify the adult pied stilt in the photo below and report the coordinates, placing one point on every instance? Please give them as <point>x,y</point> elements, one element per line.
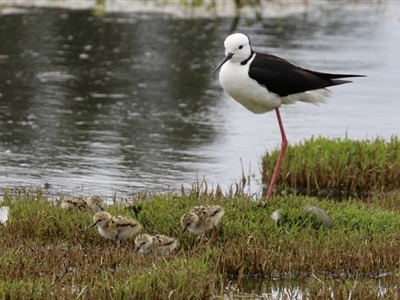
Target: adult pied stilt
<point>263,82</point>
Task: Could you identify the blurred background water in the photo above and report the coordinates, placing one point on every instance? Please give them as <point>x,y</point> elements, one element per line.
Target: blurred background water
<point>122,102</point>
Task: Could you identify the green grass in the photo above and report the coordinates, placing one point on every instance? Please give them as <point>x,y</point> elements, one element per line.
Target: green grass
<point>47,252</point>
<point>337,167</point>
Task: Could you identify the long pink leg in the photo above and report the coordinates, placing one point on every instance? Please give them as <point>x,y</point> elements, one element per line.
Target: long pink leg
<point>281,154</point>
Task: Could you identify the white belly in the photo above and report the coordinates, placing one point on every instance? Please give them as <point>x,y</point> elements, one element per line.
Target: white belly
<point>107,234</point>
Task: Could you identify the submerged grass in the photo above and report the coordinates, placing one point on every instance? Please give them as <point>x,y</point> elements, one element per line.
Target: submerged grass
<point>48,253</point>
<point>337,167</point>
<point>321,288</point>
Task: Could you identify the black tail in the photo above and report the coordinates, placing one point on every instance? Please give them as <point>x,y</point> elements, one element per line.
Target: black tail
<point>333,76</point>
<point>338,81</point>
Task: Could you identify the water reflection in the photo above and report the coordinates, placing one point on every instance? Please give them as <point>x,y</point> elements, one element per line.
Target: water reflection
<point>126,102</point>
<point>319,287</point>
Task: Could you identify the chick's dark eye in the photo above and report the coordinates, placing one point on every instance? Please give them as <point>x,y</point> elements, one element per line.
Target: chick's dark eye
<point>241,46</point>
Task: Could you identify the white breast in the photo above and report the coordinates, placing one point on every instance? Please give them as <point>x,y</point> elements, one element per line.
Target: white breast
<point>236,82</point>
<point>106,234</point>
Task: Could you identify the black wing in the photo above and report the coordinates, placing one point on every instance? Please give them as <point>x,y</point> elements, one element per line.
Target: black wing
<point>284,78</point>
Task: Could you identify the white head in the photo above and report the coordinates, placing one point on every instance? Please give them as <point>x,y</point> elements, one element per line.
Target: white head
<point>237,49</point>
<point>239,45</point>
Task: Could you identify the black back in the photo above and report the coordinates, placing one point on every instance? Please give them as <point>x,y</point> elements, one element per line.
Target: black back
<point>284,78</point>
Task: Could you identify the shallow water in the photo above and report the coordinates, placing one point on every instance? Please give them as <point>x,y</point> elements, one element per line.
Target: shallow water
<point>384,287</point>
<point>124,102</point>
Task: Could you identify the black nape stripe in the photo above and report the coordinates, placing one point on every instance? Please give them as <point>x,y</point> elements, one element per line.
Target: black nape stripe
<point>247,59</point>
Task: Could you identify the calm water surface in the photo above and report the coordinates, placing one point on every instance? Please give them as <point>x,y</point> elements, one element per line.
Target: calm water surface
<point>125,102</point>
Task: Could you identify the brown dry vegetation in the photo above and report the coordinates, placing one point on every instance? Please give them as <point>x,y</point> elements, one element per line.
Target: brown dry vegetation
<point>47,252</point>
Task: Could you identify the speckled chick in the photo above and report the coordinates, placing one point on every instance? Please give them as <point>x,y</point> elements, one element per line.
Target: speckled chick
<point>74,203</point>
<point>92,204</point>
<point>95,204</point>
<point>156,245</point>
<point>115,228</point>
<point>202,218</point>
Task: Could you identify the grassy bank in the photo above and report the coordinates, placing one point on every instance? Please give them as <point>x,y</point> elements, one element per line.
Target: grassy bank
<point>47,252</point>
<point>337,167</point>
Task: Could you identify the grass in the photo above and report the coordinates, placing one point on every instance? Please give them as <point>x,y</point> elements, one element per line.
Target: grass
<point>320,288</point>
<point>47,252</point>
<point>337,167</point>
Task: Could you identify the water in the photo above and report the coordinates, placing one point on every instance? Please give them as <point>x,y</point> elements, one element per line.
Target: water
<point>384,287</point>
<point>124,102</point>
